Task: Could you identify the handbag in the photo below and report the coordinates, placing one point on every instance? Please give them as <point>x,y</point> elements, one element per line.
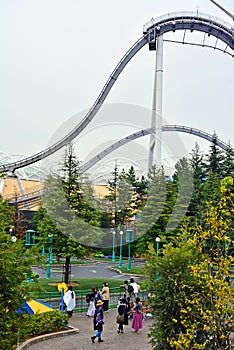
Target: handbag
<point>120,318</point>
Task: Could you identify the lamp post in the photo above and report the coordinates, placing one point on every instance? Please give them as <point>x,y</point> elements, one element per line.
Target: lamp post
<point>29,238</point>
<point>129,239</point>
<point>157,249</point>
<point>113,245</point>
<point>120,248</point>
<point>10,231</point>
<point>50,258</point>
<point>13,238</point>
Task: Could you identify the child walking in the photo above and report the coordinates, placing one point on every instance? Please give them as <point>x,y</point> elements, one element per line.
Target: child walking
<point>98,322</point>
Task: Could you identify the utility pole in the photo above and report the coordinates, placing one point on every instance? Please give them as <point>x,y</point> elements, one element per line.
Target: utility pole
<point>223,9</point>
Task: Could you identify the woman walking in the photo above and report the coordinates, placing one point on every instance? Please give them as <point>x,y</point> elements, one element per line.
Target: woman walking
<point>137,315</point>
<point>90,299</point>
<point>122,318</point>
<point>105,296</point>
<point>98,322</point>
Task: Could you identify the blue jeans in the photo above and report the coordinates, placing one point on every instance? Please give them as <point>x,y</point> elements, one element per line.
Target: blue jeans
<point>98,334</point>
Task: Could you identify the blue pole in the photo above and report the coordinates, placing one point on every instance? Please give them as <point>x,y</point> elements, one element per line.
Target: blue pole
<point>43,250</point>
<point>129,256</point>
<point>50,259</point>
<point>62,295</point>
<point>120,249</point>
<point>48,272</point>
<point>113,246</point>
<point>157,249</point>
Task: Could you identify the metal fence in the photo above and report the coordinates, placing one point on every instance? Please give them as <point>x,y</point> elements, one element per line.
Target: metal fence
<point>54,298</point>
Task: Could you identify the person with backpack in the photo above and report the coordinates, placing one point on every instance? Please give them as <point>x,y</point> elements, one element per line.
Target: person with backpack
<point>98,322</point>
<point>135,287</point>
<point>128,290</point>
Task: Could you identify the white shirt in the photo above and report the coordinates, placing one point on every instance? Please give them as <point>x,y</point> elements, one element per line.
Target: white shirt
<point>135,287</point>
<point>69,301</point>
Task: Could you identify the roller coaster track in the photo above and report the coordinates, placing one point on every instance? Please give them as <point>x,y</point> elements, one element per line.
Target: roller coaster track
<point>145,132</point>
<point>166,128</point>
<point>171,22</point>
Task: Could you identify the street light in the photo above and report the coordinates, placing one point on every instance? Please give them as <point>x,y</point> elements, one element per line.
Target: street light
<point>29,238</point>
<point>50,258</point>
<point>13,238</point>
<point>43,250</point>
<point>129,239</point>
<point>113,245</point>
<point>157,249</point>
<point>120,248</point>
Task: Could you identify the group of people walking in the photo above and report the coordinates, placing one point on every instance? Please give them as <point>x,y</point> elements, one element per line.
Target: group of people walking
<point>95,295</point>
<point>129,305</point>
<point>98,304</point>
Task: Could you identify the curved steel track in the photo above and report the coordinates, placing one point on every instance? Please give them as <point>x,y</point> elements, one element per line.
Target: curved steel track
<point>192,21</point>
<point>144,132</point>
<point>125,140</point>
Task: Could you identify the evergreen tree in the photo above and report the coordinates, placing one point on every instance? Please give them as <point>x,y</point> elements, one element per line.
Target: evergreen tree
<point>126,195</point>
<point>192,299</point>
<point>15,264</point>
<point>111,197</point>
<point>183,179</point>
<point>215,158</point>
<point>228,164</point>
<point>140,187</point>
<point>150,226</point>
<point>198,168</point>
<point>66,207</point>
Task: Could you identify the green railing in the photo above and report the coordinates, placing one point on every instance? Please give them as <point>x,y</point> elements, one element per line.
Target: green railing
<point>54,298</point>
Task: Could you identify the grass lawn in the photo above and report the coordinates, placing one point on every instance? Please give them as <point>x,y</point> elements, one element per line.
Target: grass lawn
<point>135,270</point>
<point>50,285</point>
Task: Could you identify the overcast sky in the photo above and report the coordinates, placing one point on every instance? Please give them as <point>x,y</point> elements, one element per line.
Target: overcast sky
<point>56,55</point>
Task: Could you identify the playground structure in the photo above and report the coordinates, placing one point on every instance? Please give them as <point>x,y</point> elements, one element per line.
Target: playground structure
<point>153,32</point>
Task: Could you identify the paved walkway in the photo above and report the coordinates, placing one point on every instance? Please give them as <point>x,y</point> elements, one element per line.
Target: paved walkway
<point>112,340</point>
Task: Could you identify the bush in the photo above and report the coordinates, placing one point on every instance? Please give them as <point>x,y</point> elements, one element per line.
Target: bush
<point>38,324</point>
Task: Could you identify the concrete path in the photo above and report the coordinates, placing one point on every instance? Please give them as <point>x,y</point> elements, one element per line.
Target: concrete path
<point>112,340</point>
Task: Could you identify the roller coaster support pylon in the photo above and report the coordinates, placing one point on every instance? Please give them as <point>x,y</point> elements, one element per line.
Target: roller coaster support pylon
<point>155,145</point>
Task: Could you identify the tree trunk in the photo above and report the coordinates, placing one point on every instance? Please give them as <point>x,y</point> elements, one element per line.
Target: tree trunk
<point>67,270</point>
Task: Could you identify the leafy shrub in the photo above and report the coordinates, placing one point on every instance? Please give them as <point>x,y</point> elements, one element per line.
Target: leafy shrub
<point>38,324</point>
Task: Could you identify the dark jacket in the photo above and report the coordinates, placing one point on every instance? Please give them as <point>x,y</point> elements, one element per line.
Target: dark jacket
<point>123,308</point>
<point>98,327</point>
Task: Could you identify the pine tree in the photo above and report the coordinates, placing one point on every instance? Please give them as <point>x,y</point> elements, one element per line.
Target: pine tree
<point>215,158</point>
<point>111,197</point>
<point>198,168</point>
<point>15,264</point>
<point>74,218</point>
<point>183,178</point>
<point>150,226</point>
<point>228,164</point>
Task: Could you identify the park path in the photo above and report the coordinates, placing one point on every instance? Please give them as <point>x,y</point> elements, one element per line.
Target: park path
<point>112,340</point>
